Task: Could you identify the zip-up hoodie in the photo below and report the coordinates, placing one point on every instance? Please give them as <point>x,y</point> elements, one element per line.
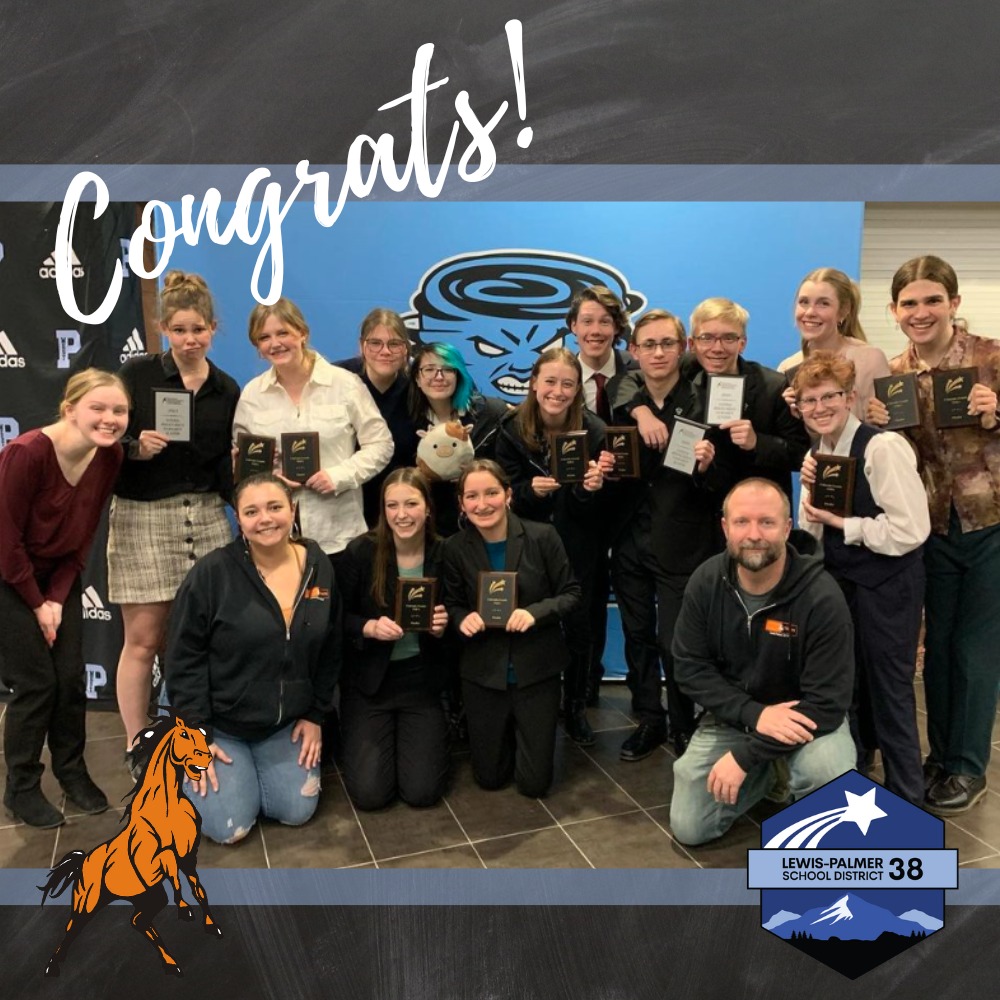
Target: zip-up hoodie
<point>233,664</point>
<point>798,647</point>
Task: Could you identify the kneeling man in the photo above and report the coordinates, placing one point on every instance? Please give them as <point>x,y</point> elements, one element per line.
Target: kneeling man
<point>764,643</point>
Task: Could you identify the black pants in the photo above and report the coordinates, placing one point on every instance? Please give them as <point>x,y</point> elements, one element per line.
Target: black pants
<point>884,713</point>
<point>649,601</point>
<point>598,611</point>
<point>395,741</point>
<point>48,686</point>
<point>512,733</point>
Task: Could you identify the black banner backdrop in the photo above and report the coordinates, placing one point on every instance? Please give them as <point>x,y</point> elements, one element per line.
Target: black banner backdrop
<point>41,346</point>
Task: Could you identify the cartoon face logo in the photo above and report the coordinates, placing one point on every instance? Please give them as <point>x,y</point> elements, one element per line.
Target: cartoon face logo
<point>502,308</point>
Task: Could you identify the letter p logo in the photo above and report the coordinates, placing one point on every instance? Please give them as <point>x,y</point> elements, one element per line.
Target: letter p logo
<point>69,343</point>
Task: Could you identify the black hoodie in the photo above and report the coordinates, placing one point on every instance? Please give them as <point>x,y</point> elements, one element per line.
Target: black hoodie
<point>231,662</point>
<point>798,647</point>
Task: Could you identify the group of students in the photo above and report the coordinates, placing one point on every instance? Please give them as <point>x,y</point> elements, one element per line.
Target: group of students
<point>258,631</point>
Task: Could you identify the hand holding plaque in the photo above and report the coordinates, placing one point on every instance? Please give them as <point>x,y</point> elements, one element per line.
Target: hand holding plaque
<point>254,454</point>
<point>725,398</point>
<point>497,598</point>
<point>899,394</point>
<point>173,413</point>
<point>623,443</point>
<point>570,458</point>
<point>833,489</point>
<point>680,454</point>
<point>416,598</point>
<point>951,397</point>
<point>300,455</point>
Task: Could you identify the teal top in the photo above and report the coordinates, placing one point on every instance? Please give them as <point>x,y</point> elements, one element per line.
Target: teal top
<point>496,552</point>
<point>409,645</point>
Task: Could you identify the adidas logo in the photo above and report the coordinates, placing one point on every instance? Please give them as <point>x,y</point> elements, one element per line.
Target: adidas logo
<point>133,347</point>
<point>9,358</point>
<point>48,268</point>
<point>93,606</point>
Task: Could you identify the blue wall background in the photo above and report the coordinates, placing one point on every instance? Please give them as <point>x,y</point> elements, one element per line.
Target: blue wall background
<point>673,254</point>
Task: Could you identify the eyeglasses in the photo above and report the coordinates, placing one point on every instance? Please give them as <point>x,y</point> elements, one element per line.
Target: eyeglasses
<point>651,346</point>
<point>811,402</point>
<point>727,339</point>
<point>392,346</point>
<point>433,371</point>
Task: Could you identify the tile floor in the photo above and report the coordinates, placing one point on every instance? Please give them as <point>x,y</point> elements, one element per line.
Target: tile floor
<point>602,813</point>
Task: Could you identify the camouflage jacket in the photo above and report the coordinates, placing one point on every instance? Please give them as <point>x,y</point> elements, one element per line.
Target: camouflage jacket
<point>961,465</point>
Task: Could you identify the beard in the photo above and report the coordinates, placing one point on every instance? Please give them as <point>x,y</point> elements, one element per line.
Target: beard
<point>758,556</point>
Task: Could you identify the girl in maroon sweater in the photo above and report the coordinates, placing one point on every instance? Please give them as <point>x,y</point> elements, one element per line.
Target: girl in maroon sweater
<point>54,482</point>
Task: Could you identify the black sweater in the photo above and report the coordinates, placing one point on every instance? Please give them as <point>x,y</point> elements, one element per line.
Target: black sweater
<point>798,647</point>
<point>232,663</point>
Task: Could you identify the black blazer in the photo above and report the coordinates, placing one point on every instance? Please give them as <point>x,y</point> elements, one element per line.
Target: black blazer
<point>681,512</point>
<point>366,661</point>
<point>546,588</point>
<point>782,439</point>
<point>571,510</point>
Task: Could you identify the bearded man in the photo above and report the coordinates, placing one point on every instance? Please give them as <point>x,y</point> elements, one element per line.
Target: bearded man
<point>764,643</point>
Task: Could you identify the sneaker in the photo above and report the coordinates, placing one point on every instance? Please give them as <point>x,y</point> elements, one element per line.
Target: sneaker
<point>955,793</point>
<point>32,807</point>
<point>85,795</point>
<point>646,738</point>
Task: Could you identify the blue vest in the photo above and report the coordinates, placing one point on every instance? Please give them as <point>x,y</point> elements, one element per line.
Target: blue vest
<point>858,563</point>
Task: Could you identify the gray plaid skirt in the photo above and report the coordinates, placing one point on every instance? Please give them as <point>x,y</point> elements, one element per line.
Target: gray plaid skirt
<point>153,543</point>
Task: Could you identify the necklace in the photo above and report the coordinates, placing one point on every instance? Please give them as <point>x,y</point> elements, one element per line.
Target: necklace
<point>297,555</point>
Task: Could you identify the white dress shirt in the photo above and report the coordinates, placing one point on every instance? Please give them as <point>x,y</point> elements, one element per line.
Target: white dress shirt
<point>608,370</point>
<point>354,443</point>
<point>890,467</point>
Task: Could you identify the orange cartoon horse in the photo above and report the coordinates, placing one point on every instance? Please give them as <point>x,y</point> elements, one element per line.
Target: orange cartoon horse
<point>160,840</point>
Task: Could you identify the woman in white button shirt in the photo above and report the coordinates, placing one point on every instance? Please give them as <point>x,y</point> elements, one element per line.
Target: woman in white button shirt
<point>302,391</point>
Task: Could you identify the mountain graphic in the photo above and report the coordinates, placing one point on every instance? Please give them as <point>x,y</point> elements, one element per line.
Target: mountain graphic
<point>850,918</point>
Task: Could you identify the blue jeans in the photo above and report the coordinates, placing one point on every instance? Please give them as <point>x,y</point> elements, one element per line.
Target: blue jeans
<point>264,778</point>
<point>695,816</point>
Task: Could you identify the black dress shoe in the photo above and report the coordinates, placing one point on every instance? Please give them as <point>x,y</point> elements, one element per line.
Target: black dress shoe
<point>955,793</point>
<point>647,737</point>
<point>933,772</point>
<point>679,741</point>
<point>33,808</point>
<point>85,795</point>
<point>577,727</point>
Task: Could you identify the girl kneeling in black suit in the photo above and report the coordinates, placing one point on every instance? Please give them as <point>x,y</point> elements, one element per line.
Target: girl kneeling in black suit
<point>393,724</point>
<point>510,674</point>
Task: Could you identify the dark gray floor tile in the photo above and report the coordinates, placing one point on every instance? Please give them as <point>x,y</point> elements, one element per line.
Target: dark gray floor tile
<point>629,841</point>
<point>331,839</point>
<point>491,813</point>
<point>969,847</point>
<point>729,850</point>
<point>990,862</point>
<point>541,849</point>
<point>451,857</point>
<point>648,781</point>
<point>581,790</point>
<point>105,725</point>
<point>400,829</point>
<point>982,820</point>
<point>23,847</point>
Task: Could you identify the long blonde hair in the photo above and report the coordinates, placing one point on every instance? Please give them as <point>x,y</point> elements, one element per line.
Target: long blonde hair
<point>848,297</point>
